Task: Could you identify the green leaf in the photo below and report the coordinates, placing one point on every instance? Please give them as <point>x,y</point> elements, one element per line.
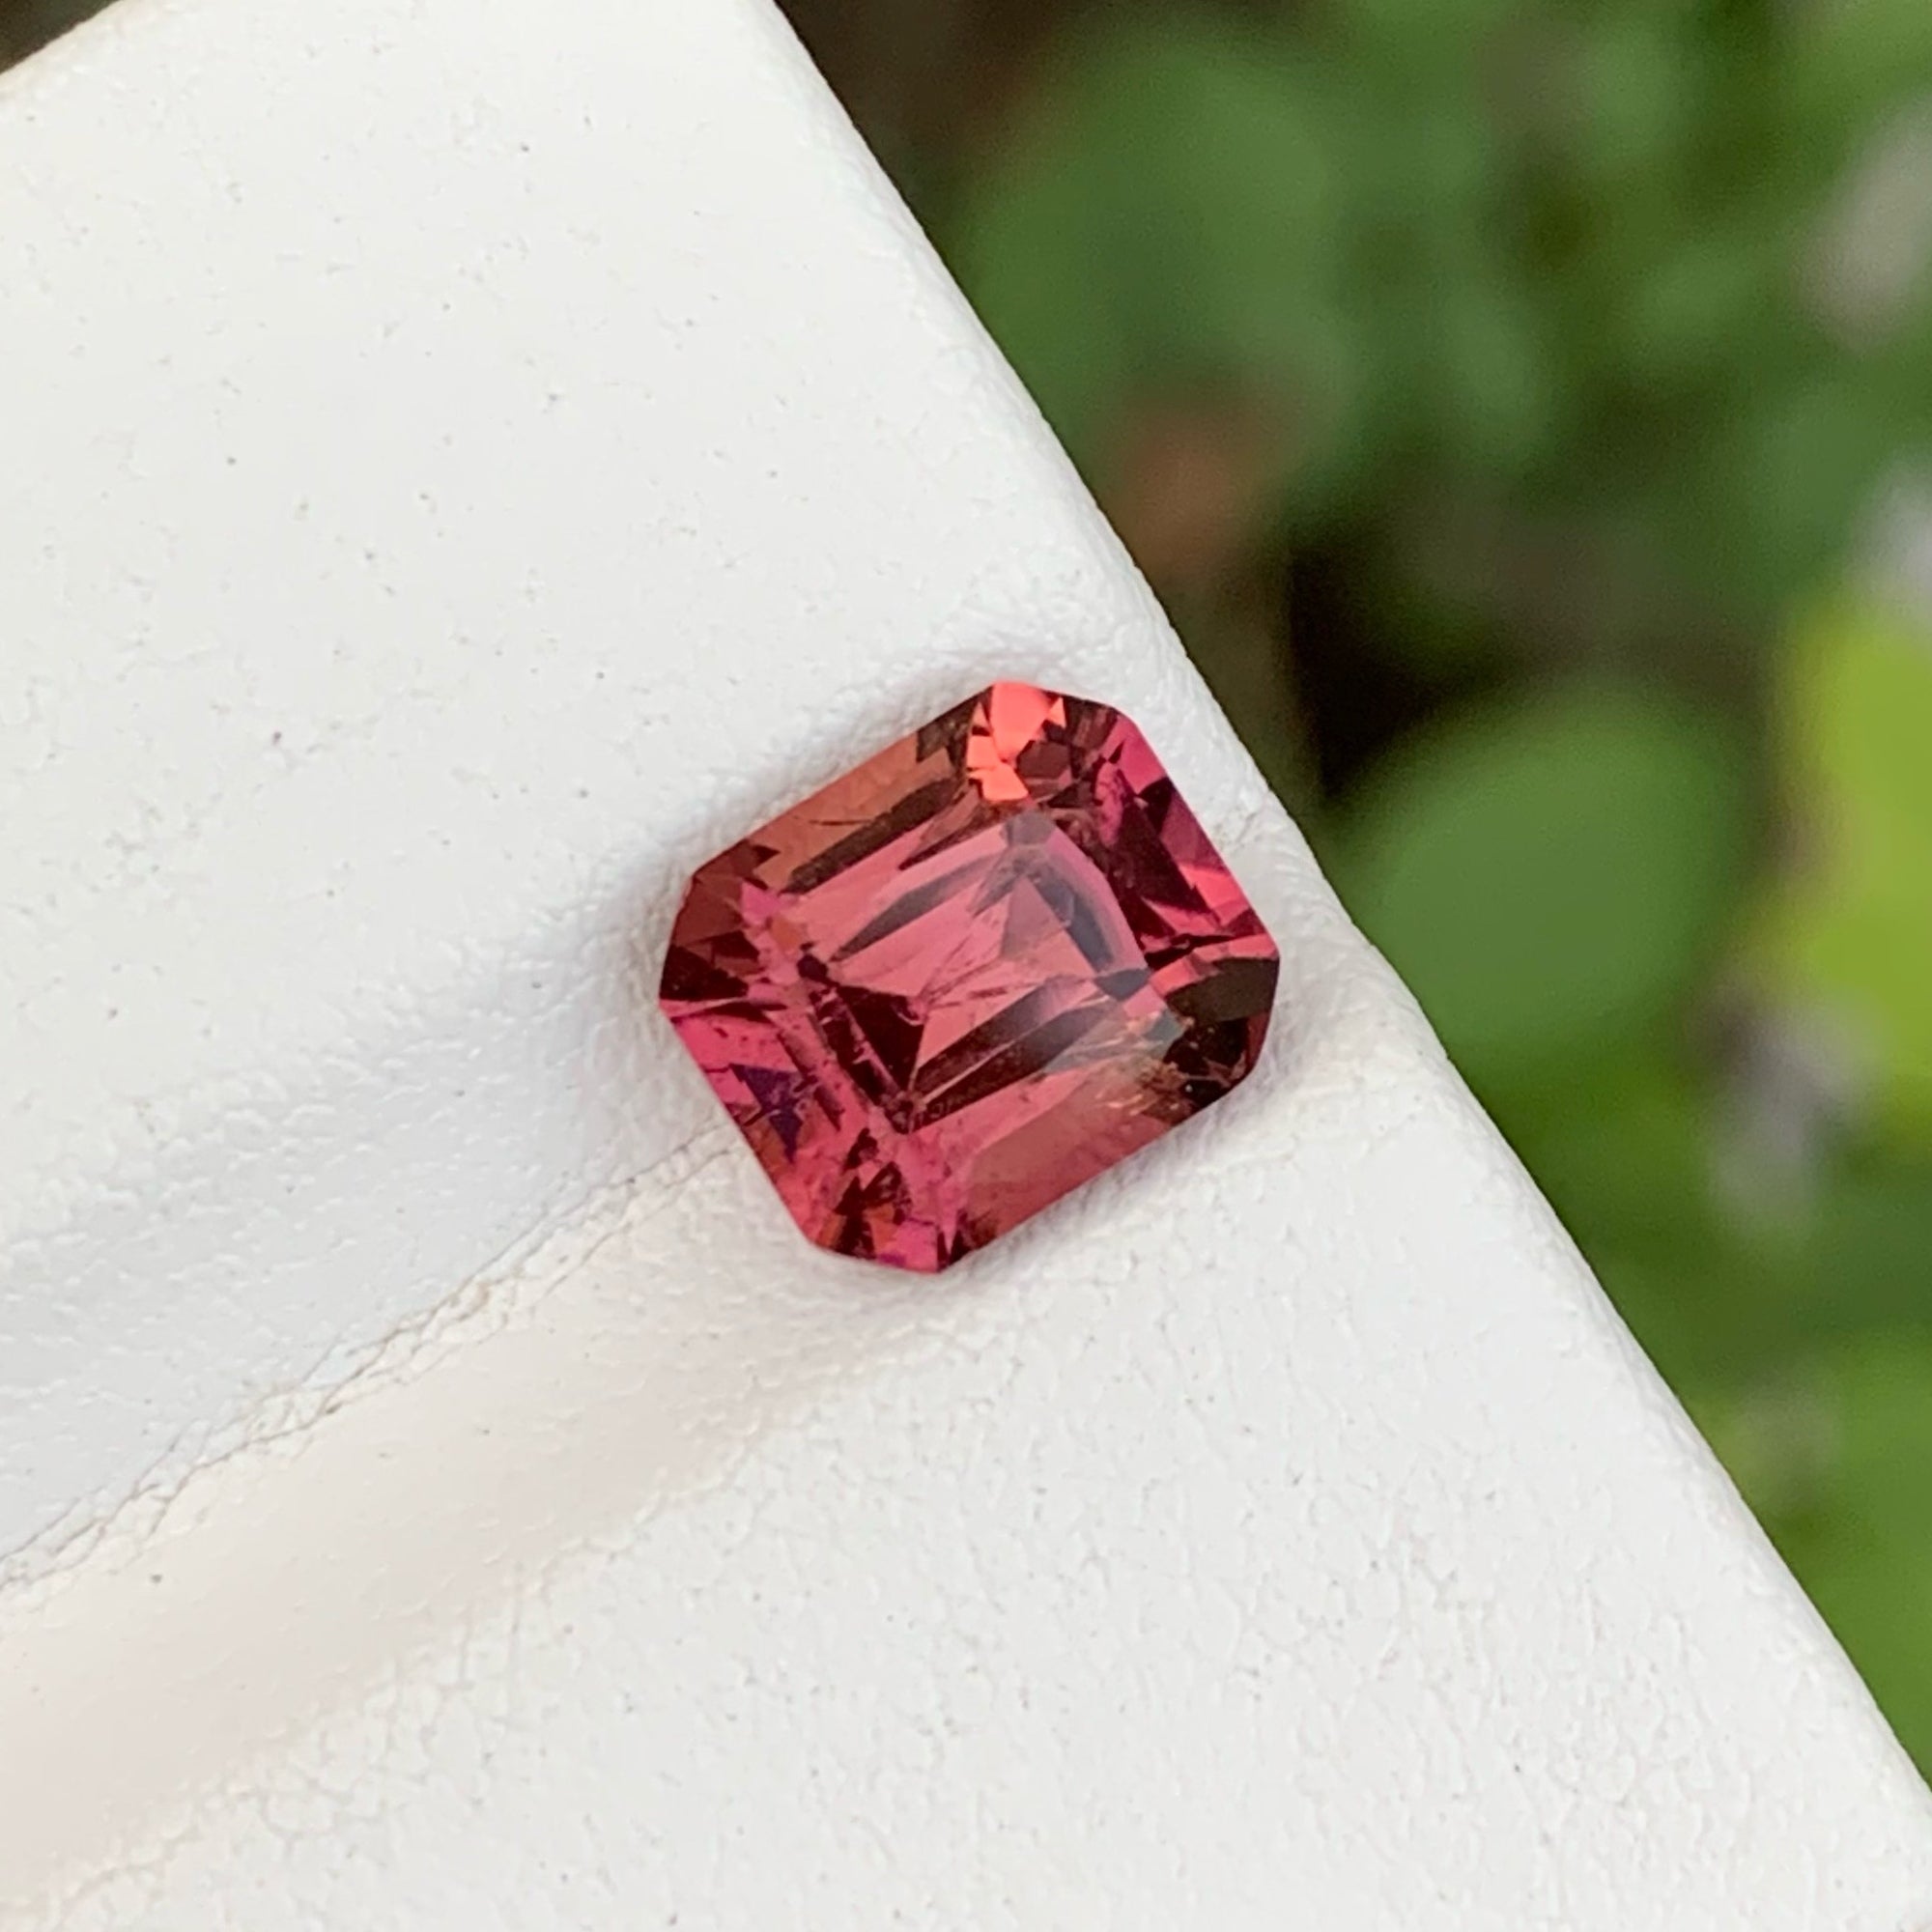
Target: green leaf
<point>1870,1248</point>
<point>1624,1150</point>
<point>1172,222</point>
<point>1036,251</point>
<point>1421,33</point>
<point>1494,371</point>
<point>1851,933</point>
<point>1863,1546</point>
<point>1798,470</point>
<point>1684,315</point>
<point>1550,878</point>
<point>1853,60</point>
<point>1637,81</point>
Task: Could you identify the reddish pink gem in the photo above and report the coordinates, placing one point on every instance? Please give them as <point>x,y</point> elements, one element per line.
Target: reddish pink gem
<point>968,975</point>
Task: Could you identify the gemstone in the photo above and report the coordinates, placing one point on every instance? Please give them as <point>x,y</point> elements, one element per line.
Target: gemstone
<point>968,975</point>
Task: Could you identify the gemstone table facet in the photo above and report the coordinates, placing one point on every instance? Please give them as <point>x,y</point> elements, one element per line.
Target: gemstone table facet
<point>976,971</point>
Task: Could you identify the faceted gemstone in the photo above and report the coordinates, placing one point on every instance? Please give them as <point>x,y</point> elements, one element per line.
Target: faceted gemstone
<point>969,975</point>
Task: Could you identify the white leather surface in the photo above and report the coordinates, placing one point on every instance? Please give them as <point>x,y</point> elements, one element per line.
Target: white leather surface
<point>464,465</point>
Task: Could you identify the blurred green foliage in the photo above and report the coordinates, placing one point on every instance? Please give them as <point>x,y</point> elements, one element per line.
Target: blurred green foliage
<point>1521,286</point>
<point>1853,930</point>
<point>1498,391</point>
<point>1563,867</point>
<point>1547,363</point>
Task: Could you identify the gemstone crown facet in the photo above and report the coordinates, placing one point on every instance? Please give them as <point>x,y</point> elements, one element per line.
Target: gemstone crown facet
<point>971,974</point>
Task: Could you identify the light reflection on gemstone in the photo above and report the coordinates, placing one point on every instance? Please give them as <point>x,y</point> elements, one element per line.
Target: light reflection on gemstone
<point>976,971</point>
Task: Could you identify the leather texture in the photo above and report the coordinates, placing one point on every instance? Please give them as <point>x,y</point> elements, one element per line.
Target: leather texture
<point>464,467</point>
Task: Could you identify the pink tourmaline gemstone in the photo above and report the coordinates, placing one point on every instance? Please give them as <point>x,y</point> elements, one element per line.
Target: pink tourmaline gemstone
<point>969,975</point>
